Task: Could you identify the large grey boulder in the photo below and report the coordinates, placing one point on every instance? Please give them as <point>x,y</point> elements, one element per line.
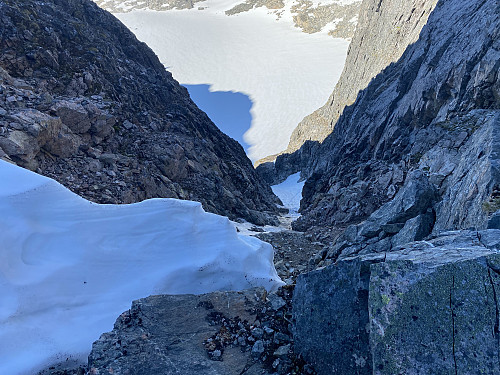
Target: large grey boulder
<point>428,308</point>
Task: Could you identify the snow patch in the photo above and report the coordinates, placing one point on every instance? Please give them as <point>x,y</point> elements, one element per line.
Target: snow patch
<point>290,193</point>
<point>69,267</point>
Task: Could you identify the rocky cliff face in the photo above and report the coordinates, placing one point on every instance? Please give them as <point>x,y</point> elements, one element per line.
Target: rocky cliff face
<point>386,29</point>
<point>425,112</point>
<point>122,6</point>
<point>84,102</point>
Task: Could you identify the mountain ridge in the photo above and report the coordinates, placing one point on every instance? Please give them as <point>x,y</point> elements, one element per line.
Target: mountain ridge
<point>337,17</point>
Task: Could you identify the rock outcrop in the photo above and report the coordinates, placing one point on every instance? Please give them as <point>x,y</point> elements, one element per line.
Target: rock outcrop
<point>426,308</point>
<point>165,335</point>
<point>84,102</point>
<point>430,111</point>
<point>123,6</point>
<point>337,17</point>
<point>225,333</point>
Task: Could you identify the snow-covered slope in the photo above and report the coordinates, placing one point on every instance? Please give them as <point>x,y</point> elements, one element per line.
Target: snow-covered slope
<point>68,267</point>
<point>285,72</point>
<point>290,193</point>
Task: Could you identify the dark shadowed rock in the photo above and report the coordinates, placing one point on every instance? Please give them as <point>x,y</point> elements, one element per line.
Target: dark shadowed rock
<point>330,311</point>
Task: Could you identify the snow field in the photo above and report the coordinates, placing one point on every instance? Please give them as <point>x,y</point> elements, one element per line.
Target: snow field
<point>69,267</point>
<point>286,73</point>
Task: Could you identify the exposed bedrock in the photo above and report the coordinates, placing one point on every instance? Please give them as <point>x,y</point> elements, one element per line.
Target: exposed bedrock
<point>426,308</point>
<point>165,335</point>
<point>454,187</point>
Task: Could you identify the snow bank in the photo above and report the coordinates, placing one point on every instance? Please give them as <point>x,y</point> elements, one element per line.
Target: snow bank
<point>286,73</point>
<point>290,193</point>
<point>69,267</point>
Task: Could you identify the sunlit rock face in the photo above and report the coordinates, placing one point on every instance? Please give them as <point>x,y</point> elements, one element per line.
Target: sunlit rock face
<point>435,111</point>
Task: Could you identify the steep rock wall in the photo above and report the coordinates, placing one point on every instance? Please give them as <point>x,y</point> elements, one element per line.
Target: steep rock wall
<point>442,90</point>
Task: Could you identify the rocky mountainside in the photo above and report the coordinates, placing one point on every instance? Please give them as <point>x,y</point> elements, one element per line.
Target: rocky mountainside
<point>387,29</point>
<point>339,17</point>
<point>122,6</point>
<point>84,102</point>
<point>435,112</point>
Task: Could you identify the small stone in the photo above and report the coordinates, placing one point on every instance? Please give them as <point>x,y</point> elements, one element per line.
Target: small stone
<point>268,330</point>
<point>257,332</point>
<point>281,337</point>
<point>128,125</point>
<point>108,159</point>
<point>258,348</point>
<point>276,363</point>
<point>256,229</point>
<point>276,302</point>
<point>282,351</point>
